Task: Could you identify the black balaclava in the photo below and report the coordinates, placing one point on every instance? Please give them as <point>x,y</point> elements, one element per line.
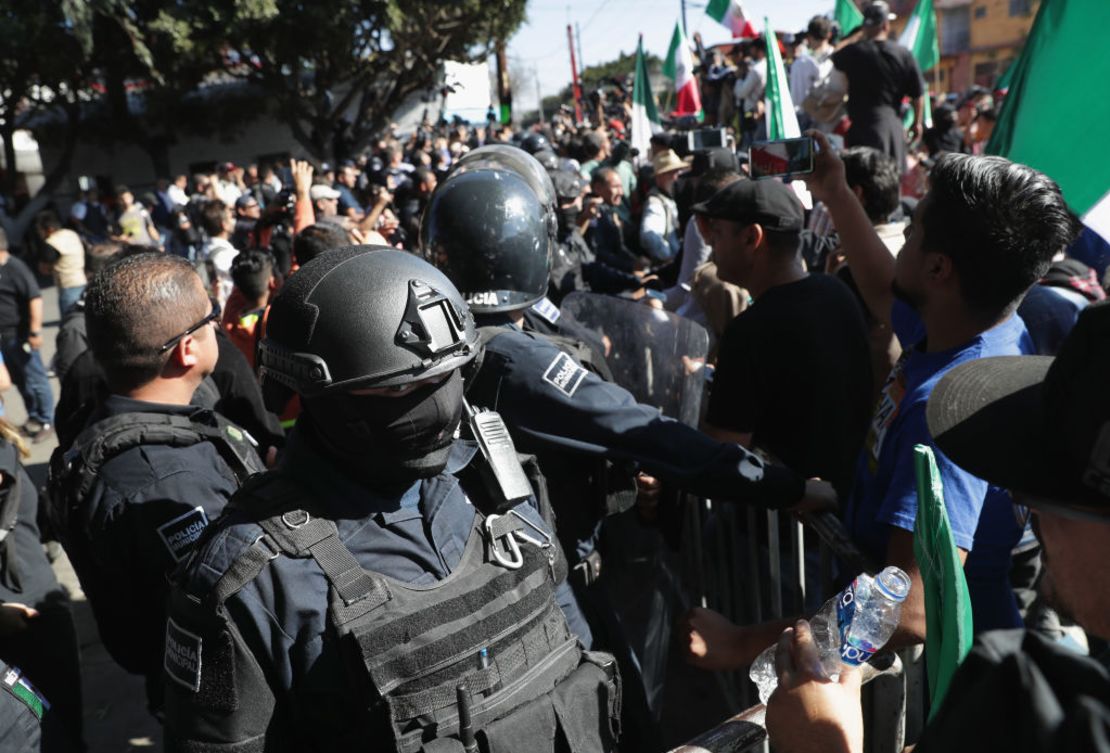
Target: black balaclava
<point>390,440</point>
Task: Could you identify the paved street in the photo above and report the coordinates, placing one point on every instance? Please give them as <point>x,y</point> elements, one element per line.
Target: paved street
<point>115,711</point>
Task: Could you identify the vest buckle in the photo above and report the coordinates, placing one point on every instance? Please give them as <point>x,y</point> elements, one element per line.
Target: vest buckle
<point>506,554</point>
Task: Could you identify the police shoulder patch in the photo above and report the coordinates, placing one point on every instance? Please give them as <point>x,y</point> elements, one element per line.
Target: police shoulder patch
<point>182,532</point>
<point>564,374</point>
<point>182,660</point>
<point>548,310</point>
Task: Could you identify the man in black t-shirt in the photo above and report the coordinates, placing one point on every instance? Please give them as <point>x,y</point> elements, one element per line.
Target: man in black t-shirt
<point>793,376</point>
<point>20,340</point>
<point>880,73</point>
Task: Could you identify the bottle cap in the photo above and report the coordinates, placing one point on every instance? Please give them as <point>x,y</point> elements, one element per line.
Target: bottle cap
<point>893,583</point>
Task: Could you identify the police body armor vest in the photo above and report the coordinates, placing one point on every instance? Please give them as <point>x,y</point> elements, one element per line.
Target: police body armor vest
<point>488,643</point>
<point>74,471</point>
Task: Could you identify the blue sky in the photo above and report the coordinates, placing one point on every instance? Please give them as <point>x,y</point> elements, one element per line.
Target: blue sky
<point>610,27</point>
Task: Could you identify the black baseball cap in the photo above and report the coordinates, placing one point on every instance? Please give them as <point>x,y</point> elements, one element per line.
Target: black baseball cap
<point>712,157</point>
<point>1035,425</point>
<point>876,13</point>
<point>771,203</point>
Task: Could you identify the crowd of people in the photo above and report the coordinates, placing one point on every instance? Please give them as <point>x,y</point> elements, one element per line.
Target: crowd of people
<point>333,467</point>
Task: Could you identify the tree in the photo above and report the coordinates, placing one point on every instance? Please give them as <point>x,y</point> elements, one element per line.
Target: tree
<point>336,70</point>
<point>40,77</point>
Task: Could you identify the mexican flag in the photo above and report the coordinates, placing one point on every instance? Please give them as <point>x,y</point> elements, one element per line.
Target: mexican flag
<point>782,120</point>
<point>679,66</point>
<point>920,38</point>
<point>730,14</point>
<point>847,15</point>
<point>1052,118</point>
<point>645,118</point>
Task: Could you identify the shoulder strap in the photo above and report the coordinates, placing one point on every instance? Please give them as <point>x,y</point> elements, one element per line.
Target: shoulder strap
<point>291,530</point>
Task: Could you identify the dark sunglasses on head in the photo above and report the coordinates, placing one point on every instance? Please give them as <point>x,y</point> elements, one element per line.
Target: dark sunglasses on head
<point>213,315</point>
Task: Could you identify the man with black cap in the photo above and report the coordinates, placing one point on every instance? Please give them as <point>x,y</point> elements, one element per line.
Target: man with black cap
<point>880,73</point>
<point>1039,427</point>
<point>981,237</point>
<point>801,325</point>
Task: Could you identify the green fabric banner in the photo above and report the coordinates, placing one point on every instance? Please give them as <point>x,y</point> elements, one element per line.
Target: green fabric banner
<point>1053,116</point>
<point>947,603</point>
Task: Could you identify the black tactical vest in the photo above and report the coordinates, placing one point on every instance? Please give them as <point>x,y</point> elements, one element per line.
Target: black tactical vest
<point>74,471</point>
<point>488,644</point>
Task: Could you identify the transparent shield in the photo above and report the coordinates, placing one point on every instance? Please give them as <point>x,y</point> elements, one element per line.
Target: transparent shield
<point>657,356</point>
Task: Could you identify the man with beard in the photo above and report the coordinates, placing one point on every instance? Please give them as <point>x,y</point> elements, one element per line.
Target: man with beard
<point>1039,427</point>
<point>373,590</point>
<point>981,237</point>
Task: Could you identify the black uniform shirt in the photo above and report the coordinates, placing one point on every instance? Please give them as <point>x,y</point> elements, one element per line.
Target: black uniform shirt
<point>144,513</point>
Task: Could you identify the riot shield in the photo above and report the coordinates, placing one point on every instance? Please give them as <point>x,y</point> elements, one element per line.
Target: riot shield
<point>655,355</point>
<point>659,358</point>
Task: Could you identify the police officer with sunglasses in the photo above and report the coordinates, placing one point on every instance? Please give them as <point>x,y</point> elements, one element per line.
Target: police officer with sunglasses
<point>133,493</point>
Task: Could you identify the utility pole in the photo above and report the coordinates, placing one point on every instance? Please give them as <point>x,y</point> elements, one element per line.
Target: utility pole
<point>504,89</point>
<point>576,87</point>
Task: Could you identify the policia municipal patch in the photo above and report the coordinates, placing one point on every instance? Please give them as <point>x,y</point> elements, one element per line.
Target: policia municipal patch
<point>183,656</point>
<point>182,532</point>
<point>564,374</point>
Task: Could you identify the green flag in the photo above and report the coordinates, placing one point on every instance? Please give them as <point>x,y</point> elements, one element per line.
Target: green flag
<point>948,627</point>
<point>782,121</point>
<point>920,35</point>
<point>1053,116</point>
<point>847,15</point>
<point>920,38</point>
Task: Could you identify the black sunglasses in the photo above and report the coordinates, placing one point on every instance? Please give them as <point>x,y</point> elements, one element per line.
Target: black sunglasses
<point>213,316</point>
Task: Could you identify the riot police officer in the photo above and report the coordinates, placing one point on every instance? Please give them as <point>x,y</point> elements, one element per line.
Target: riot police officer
<point>356,596</point>
<point>132,494</point>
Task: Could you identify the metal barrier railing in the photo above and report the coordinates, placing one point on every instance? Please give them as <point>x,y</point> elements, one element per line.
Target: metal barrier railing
<point>735,564</point>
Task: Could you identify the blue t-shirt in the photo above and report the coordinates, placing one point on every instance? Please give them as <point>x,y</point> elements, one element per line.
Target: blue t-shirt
<point>885,490</point>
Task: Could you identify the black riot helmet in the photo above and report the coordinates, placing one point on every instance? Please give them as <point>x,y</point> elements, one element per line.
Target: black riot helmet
<point>547,158</point>
<point>489,233</point>
<point>534,142</point>
<point>365,316</point>
<point>507,158</point>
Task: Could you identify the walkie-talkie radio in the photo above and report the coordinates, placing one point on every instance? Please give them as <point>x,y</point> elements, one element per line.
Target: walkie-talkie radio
<point>502,466</point>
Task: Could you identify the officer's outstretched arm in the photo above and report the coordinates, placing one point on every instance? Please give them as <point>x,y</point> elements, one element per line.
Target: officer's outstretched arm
<point>550,401</point>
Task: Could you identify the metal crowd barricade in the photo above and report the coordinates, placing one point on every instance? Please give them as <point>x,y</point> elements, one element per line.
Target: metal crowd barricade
<point>731,569</point>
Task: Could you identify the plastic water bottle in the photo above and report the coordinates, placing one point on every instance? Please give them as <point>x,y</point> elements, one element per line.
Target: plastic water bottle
<point>848,629</point>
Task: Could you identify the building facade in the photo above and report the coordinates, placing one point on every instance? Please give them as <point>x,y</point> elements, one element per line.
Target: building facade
<point>978,39</point>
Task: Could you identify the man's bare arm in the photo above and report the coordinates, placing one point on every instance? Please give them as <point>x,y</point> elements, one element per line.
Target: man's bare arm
<point>911,625</point>
<point>871,262</point>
